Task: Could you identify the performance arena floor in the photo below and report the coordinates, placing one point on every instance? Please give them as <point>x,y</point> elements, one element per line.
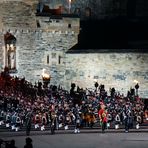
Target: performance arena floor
<point>85,139</point>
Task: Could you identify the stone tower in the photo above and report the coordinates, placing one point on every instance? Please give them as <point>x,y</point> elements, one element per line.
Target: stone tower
<point>30,42</point>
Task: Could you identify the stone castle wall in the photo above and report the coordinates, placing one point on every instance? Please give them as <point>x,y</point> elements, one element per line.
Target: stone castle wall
<point>34,50</point>
<point>41,42</point>
<point>17,14</point>
<point>117,70</point>
<point>34,47</point>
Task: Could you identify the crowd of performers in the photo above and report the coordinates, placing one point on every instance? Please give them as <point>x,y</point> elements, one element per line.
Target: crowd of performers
<point>24,104</point>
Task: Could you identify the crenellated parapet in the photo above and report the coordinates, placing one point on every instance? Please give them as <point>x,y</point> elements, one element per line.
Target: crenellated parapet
<point>16,31</point>
<point>50,25</point>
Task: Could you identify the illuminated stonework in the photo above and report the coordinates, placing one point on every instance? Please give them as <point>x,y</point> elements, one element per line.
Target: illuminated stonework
<point>43,42</point>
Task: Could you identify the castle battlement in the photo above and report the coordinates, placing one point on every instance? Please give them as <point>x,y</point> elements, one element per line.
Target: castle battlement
<point>15,31</point>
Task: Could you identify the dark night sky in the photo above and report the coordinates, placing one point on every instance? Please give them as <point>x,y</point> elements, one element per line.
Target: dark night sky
<point>116,33</point>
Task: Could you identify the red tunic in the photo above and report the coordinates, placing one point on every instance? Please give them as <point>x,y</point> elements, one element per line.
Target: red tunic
<point>102,115</point>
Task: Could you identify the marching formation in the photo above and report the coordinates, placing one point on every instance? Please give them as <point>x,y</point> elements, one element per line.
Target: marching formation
<point>24,104</point>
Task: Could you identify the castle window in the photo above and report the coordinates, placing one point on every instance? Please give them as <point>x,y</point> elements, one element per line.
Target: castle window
<point>47,59</point>
<point>57,21</point>
<point>10,52</point>
<point>38,24</point>
<point>59,59</point>
<point>69,25</point>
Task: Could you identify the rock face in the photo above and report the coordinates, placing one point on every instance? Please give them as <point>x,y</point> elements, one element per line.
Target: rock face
<point>43,42</point>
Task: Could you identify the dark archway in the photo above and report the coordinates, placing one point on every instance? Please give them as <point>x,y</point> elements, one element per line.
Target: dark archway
<point>10,52</point>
